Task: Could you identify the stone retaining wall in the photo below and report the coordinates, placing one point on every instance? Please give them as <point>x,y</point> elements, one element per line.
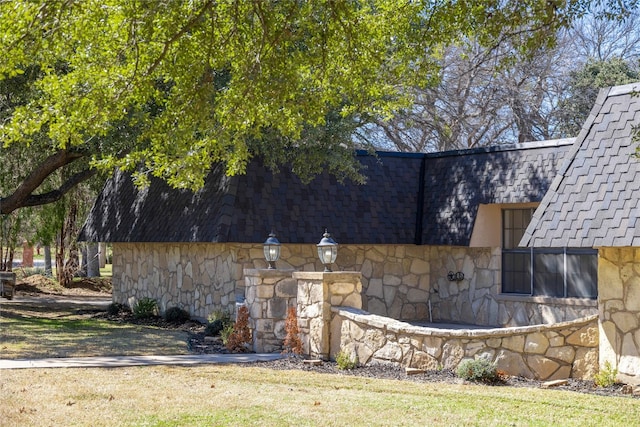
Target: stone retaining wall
<point>568,349</point>
<point>619,310</point>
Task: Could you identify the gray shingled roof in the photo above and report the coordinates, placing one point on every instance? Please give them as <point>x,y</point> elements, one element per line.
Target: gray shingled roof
<point>408,199</point>
<point>245,208</point>
<point>595,200</point>
<point>458,182</point>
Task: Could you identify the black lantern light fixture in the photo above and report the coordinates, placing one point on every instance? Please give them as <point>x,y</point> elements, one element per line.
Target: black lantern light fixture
<point>271,250</point>
<point>327,251</point>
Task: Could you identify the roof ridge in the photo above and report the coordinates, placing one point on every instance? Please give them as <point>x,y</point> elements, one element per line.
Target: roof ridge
<point>530,145</point>
<point>624,89</point>
<point>505,147</point>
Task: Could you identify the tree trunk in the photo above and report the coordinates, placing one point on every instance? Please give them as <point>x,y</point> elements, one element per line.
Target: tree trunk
<point>67,268</point>
<point>92,261</point>
<point>102,254</point>
<point>83,260</point>
<point>47,260</point>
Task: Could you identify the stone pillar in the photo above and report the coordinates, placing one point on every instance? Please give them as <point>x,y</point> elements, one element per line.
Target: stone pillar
<point>317,293</point>
<point>268,294</point>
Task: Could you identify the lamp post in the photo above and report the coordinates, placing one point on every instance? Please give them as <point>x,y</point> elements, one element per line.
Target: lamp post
<point>271,250</point>
<point>327,251</point>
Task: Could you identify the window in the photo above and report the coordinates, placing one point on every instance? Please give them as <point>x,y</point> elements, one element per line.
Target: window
<point>553,272</point>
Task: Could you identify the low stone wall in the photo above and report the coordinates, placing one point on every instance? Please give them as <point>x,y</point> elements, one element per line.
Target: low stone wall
<point>619,310</point>
<point>516,310</point>
<point>568,349</point>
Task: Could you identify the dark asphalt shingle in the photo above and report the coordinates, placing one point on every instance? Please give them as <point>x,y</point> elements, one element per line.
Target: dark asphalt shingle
<point>408,199</point>
<point>458,182</point>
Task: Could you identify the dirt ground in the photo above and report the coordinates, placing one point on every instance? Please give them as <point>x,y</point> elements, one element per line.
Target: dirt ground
<point>38,284</point>
<point>41,287</point>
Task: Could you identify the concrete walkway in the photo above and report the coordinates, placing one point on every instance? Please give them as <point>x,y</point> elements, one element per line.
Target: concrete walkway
<point>120,361</point>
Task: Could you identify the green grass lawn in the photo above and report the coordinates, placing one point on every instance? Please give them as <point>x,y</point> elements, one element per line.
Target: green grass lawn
<point>229,395</point>
<point>28,333</point>
<point>219,395</point>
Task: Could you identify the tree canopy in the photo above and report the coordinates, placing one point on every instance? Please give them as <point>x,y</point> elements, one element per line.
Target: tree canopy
<point>546,95</point>
<point>168,87</point>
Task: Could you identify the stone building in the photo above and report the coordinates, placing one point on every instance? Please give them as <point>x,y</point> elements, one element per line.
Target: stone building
<point>435,236</point>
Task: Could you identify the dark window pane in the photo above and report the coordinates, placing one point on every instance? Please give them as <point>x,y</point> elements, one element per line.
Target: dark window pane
<point>516,274</point>
<point>508,238</point>
<point>548,274</point>
<point>517,219</point>
<point>582,275</point>
<point>515,222</point>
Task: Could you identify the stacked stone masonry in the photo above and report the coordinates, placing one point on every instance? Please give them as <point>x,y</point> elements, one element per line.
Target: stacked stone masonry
<point>317,293</point>
<point>405,282</point>
<point>402,282</point>
<point>330,320</point>
<point>269,294</point>
<point>568,349</point>
<point>619,310</point>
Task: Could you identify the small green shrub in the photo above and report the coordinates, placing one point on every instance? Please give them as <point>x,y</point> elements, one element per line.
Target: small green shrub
<point>607,376</point>
<point>145,308</point>
<point>214,328</point>
<point>226,332</point>
<point>218,321</point>
<point>115,309</point>
<point>479,370</point>
<point>222,315</point>
<point>176,315</point>
<point>345,361</point>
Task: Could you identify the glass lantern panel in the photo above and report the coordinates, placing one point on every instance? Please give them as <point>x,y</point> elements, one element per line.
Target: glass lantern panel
<point>271,252</point>
<point>327,255</point>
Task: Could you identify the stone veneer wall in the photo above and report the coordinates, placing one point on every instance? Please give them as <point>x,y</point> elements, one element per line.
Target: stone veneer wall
<point>269,294</point>
<point>399,281</point>
<point>198,277</point>
<point>619,310</point>
<point>477,299</point>
<point>568,349</point>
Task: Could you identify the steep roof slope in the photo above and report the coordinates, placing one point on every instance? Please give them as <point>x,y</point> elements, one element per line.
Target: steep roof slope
<point>595,200</point>
<point>246,208</point>
<point>457,182</point>
<point>159,213</point>
<point>381,211</point>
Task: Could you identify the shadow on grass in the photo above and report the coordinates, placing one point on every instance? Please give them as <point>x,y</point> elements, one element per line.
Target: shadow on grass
<point>35,332</point>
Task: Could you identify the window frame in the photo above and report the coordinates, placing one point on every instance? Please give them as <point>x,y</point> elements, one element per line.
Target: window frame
<point>534,254</point>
